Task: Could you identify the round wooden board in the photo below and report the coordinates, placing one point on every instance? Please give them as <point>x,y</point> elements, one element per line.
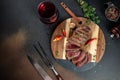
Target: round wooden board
<point>59,46</point>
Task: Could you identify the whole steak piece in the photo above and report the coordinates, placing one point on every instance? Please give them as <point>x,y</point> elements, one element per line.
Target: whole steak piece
<point>74,47</point>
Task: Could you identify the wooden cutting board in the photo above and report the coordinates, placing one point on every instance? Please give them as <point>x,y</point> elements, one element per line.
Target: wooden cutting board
<point>96,48</point>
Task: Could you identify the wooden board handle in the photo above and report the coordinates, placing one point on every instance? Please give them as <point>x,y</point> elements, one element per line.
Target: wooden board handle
<point>69,12</point>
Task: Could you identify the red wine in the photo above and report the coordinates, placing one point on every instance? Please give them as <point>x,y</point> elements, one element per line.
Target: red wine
<point>48,12</point>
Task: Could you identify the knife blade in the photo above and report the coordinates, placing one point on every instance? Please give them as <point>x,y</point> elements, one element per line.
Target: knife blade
<point>39,69</point>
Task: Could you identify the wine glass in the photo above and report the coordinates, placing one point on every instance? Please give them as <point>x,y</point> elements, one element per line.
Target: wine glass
<point>48,12</point>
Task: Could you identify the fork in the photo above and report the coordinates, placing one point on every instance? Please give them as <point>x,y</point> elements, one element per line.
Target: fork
<point>47,61</point>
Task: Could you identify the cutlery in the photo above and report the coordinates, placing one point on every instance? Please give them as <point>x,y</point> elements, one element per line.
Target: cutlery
<point>47,61</point>
<point>39,69</point>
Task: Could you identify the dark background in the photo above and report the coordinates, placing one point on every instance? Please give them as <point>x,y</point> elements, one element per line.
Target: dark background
<point>22,14</point>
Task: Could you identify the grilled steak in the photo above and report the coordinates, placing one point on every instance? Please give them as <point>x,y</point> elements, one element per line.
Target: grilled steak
<point>74,50</point>
<point>82,62</point>
<point>89,57</point>
<point>79,58</point>
<point>70,46</point>
<point>72,54</point>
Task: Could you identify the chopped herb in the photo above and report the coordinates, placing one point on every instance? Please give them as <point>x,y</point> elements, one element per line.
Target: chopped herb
<point>89,11</point>
<point>57,53</point>
<point>94,56</point>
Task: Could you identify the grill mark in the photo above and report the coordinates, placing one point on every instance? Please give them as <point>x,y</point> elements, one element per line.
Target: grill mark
<point>74,42</point>
<point>80,35</point>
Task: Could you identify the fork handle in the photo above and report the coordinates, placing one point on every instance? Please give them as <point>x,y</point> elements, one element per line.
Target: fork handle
<point>59,77</point>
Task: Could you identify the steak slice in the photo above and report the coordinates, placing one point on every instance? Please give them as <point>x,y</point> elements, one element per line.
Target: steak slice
<point>83,34</point>
<point>79,58</point>
<point>74,41</point>
<point>85,29</point>
<point>71,46</point>
<point>89,57</point>
<point>80,36</point>
<point>81,63</point>
<point>72,54</point>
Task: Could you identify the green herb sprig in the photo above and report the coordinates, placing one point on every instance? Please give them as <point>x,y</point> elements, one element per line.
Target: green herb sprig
<point>89,12</point>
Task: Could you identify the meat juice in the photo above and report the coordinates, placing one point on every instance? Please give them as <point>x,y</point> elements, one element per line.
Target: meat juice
<point>48,12</point>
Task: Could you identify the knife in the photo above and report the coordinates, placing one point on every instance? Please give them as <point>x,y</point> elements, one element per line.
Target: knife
<point>39,69</point>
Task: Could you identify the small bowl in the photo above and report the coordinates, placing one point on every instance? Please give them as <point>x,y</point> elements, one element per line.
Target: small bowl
<point>112,13</point>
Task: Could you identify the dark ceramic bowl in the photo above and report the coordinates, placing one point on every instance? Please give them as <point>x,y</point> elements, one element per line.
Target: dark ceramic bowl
<point>112,13</point>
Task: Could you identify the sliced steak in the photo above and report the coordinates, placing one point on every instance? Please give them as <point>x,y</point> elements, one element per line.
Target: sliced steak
<point>81,35</point>
<point>86,29</point>
<point>79,58</point>
<point>74,41</point>
<point>75,46</point>
<point>72,54</point>
<point>89,57</point>
<point>84,34</point>
<point>80,38</point>
<point>77,40</point>
<point>81,63</point>
<point>71,46</point>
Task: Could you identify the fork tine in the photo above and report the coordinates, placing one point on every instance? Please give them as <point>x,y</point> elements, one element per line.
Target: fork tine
<point>41,48</point>
<point>41,56</point>
<point>44,54</point>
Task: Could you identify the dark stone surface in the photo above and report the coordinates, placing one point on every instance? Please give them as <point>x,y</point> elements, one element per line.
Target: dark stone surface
<point>22,14</point>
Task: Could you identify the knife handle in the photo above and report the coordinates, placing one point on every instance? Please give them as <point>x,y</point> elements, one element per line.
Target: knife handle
<point>59,77</point>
